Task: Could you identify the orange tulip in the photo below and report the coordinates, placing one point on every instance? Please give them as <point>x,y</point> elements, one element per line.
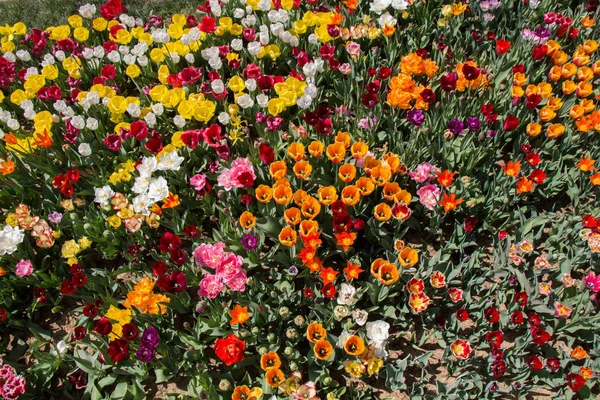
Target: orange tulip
<point>354,346</point>
<point>287,237</point>
<point>336,152</point>
<point>316,148</point>
<point>274,377</point>
<point>512,168</point>
<point>352,271</point>
<point>450,202</point>
<point>524,185</point>
<point>315,332</point>
<point>296,151</point>
<point>347,173</point>
<point>247,220</point>
<point>345,239</point>
<point>263,193</point>
<point>323,349</point>
<point>292,216</point>
<point>328,275</point>
<point>445,178</point>
<point>239,315</point>
<point>270,361</point>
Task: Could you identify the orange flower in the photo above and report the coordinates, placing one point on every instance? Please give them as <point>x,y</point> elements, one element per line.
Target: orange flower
<point>287,237</point>
<point>388,274</point>
<point>278,169</point>
<point>292,216</point>
<point>311,208</point>
<point>365,185</point>
<point>309,232</point>
<point>328,275</point>
<point>315,332</point>
<point>586,164</point>
<point>7,167</point>
<point>524,185</point>
<point>450,202</point>
<point>347,172</point>
<point>585,373</point>
<point>299,197</point>
<point>274,377</point>
<point>595,179</point>
<point>345,239</point>
<point>555,131</point>
<point>302,169</point>
<point>307,255</point>
<point>390,190</point>
<point>316,148</point>
<point>323,349</point>
<point>42,139</point>
<point>512,168</point>
<point>314,266</point>
<point>578,353</point>
<point>354,346</point>
<point>247,220</point>
<point>283,194</point>
<point>351,195</point>
<point>263,193</point>
<point>533,129</point>
<point>382,212</point>
<point>359,149</point>
<point>408,257</point>
<point>296,151</point>
<point>239,315</point>
<point>380,175</point>
<point>171,202</point>
<point>352,271</point>
<point>344,138</point>
<point>445,178</point>
<point>336,152</point>
<point>245,393</point>
<point>10,138</point>
<point>269,361</point>
<point>376,266</point>
<point>327,195</point>
<point>587,22</point>
<point>351,4</point>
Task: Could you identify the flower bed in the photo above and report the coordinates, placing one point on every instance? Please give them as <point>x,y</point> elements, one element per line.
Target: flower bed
<point>302,199</point>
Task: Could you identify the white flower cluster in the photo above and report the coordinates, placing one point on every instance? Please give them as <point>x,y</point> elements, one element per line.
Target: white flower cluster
<point>379,6</point>
<point>10,238</point>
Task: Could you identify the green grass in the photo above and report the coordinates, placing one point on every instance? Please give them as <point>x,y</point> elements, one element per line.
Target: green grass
<point>44,13</point>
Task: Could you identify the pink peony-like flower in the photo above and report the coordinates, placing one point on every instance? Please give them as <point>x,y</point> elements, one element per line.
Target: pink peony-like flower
<point>198,181</point>
<point>238,282</point>
<point>423,173</point>
<point>428,196</point>
<point>24,268</point>
<point>210,255</point>
<point>241,174</point>
<point>230,266</point>
<point>210,286</point>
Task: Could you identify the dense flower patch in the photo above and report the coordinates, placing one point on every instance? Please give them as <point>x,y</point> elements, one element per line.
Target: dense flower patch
<point>302,199</point>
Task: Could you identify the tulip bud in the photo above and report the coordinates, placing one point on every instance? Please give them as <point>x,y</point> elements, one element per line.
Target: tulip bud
<point>224,385</point>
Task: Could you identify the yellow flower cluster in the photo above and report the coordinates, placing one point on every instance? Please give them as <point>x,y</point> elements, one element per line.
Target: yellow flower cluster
<point>288,92</point>
<point>71,248</point>
<point>121,317</point>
